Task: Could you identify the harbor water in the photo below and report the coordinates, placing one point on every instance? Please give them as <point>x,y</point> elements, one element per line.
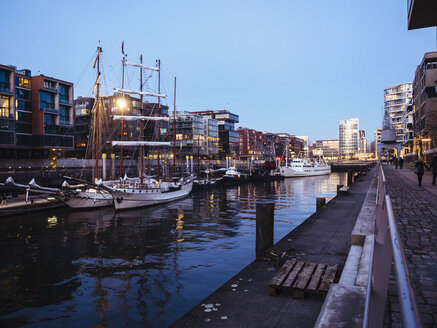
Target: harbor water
<point>144,267</point>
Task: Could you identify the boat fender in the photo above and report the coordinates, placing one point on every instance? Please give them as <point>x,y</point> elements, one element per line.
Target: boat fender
<point>119,199</point>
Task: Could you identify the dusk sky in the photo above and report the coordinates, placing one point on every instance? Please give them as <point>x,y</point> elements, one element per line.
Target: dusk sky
<point>282,66</point>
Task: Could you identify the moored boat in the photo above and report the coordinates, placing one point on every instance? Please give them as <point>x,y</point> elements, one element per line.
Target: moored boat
<point>300,167</point>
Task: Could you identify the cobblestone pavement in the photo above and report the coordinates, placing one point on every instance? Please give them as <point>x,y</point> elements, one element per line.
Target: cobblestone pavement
<point>416,213</point>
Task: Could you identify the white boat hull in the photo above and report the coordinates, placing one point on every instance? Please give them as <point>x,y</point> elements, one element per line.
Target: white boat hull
<point>86,199</point>
<point>288,172</point>
<point>126,198</point>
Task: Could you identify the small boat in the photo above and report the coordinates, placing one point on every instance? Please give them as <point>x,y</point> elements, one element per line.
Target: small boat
<point>232,176</point>
<point>300,167</point>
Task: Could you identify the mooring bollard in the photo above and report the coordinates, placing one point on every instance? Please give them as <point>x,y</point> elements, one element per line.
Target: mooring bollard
<point>320,202</point>
<point>264,227</point>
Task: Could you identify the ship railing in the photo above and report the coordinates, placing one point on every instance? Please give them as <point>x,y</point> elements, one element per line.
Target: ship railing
<point>387,248</point>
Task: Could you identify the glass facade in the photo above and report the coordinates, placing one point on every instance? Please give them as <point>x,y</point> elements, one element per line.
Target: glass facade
<point>348,137</point>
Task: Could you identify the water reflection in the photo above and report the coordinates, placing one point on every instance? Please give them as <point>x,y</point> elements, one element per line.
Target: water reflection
<point>139,267</point>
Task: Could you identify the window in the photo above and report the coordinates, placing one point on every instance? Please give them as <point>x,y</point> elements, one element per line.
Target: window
<point>22,82</point>
<point>46,101</point>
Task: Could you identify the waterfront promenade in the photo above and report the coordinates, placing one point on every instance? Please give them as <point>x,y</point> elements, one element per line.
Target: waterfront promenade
<point>416,213</point>
<point>244,300</point>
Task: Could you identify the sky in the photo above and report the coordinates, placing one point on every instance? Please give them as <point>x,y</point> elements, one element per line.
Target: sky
<point>283,66</point>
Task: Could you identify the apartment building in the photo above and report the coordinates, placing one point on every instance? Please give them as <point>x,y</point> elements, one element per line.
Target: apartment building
<point>36,114</point>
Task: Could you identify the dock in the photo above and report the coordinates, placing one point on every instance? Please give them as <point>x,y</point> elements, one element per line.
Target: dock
<point>19,205</point>
<point>324,238</point>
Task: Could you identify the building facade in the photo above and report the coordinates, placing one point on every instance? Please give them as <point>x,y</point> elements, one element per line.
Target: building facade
<point>425,105</point>
<point>228,137</point>
<point>196,135</point>
<point>348,137</point>
<point>36,114</point>
<point>396,100</point>
<point>327,148</point>
<point>378,136</point>
<point>362,142</point>
<point>251,144</point>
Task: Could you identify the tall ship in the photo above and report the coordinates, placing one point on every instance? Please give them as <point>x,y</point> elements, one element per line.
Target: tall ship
<point>85,195</point>
<point>144,190</point>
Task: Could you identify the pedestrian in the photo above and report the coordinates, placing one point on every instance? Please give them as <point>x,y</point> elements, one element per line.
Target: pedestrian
<point>401,163</point>
<point>4,203</point>
<point>420,170</point>
<point>433,166</point>
<point>396,162</point>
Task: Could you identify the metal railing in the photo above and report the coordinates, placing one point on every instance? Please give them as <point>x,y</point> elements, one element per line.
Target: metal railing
<point>387,247</point>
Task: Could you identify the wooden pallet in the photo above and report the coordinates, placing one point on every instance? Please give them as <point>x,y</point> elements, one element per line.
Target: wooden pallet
<point>302,278</point>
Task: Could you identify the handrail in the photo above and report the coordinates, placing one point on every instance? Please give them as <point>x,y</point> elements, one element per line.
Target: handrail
<point>386,219</point>
<point>409,311</point>
<point>368,289</point>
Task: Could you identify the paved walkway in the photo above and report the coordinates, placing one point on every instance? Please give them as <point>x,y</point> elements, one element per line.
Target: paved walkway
<point>416,212</point>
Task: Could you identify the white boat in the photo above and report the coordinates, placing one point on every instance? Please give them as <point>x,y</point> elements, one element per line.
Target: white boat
<point>144,191</point>
<point>300,167</point>
<point>82,196</point>
<point>134,195</point>
<point>232,172</point>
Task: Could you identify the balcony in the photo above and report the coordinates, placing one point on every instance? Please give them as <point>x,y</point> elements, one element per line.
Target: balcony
<point>50,87</point>
<point>5,88</point>
<point>65,101</point>
<point>48,109</point>
<point>421,13</point>
<point>64,121</point>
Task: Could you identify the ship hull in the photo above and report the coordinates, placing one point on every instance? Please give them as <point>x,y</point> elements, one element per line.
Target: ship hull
<point>86,199</point>
<point>127,198</point>
<point>288,172</point>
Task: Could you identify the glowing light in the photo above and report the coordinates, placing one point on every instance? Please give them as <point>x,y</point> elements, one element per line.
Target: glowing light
<point>121,103</point>
<point>52,221</point>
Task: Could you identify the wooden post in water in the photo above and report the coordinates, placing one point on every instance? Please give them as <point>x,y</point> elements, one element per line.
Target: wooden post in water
<point>320,202</point>
<point>349,177</point>
<point>264,227</point>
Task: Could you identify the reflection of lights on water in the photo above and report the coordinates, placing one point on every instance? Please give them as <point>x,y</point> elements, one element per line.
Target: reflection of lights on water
<point>211,198</point>
<point>180,224</point>
<point>52,221</point>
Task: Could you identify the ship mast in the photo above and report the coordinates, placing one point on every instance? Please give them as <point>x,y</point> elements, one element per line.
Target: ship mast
<point>97,122</point>
<point>141,124</point>
<point>174,129</point>
<point>122,111</point>
<point>159,114</point>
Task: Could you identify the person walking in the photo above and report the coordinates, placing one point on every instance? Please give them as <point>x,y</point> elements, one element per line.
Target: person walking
<point>420,170</point>
<point>396,162</point>
<point>433,166</point>
<point>401,163</point>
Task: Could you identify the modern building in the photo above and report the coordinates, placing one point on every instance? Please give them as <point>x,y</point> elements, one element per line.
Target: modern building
<point>228,137</point>
<point>269,146</point>
<point>425,105</point>
<point>362,142</point>
<point>305,145</point>
<point>251,144</point>
<point>348,137</point>
<point>327,148</point>
<point>36,114</point>
<point>82,123</point>
<point>396,100</point>
<point>378,136</point>
<point>196,135</point>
